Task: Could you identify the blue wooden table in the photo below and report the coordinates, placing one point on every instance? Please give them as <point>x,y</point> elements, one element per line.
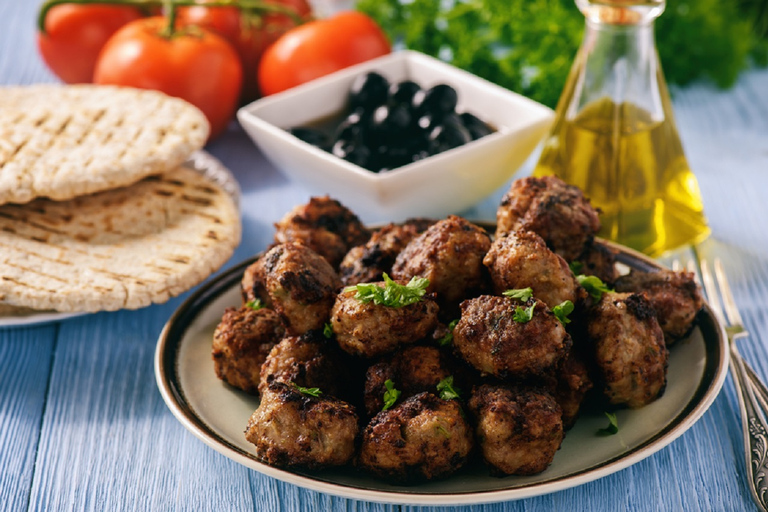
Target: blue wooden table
<point>83,427</point>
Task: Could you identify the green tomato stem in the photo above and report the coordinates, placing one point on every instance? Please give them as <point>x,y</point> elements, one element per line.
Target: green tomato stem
<point>256,6</point>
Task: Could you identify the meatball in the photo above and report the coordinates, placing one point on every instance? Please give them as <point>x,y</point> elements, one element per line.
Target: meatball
<point>292,429</point>
<point>489,338</point>
<point>309,361</point>
<point>558,212</point>
<point>325,226</point>
<point>366,263</point>
<point>413,369</point>
<point>629,349</point>
<point>423,438</point>
<point>450,254</point>
<point>521,259</point>
<point>241,343</point>
<point>674,295</point>
<point>598,260</point>
<point>573,384</point>
<point>298,283</point>
<point>368,329</point>
<point>518,430</point>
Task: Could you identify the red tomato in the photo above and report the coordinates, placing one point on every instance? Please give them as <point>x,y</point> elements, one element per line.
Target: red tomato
<point>195,65</point>
<point>75,34</point>
<point>249,32</point>
<point>318,48</point>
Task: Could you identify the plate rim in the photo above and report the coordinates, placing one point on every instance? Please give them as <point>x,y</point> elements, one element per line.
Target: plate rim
<point>165,365</point>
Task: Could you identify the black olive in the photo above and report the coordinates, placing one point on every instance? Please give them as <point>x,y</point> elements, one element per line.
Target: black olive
<point>438,100</point>
<point>310,136</point>
<point>476,127</point>
<point>352,151</point>
<point>368,91</point>
<point>448,135</point>
<point>401,93</point>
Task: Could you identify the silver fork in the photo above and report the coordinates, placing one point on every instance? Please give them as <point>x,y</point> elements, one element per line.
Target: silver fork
<point>753,395</point>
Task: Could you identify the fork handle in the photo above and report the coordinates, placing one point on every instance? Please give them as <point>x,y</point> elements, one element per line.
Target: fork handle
<point>753,419</point>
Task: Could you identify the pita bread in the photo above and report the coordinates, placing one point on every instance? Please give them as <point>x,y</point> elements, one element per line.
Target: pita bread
<point>123,248</point>
<point>61,141</point>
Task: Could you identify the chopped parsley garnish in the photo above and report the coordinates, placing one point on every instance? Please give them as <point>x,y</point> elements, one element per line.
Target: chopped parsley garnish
<point>576,267</point>
<point>522,294</point>
<point>523,315</point>
<point>308,391</point>
<point>594,286</point>
<point>446,390</point>
<point>255,304</point>
<point>328,331</point>
<point>613,425</point>
<point>562,311</point>
<point>392,295</point>
<point>390,395</point>
<point>448,338</point>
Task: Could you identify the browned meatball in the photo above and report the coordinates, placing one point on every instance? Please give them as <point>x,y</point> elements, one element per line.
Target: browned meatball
<point>573,383</point>
<point>450,254</point>
<point>369,330</point>
<point>674,295</point>
<point>598,260</point>
<point>366,263</point>
<point>291,429</point>
<point>325,226</point>
<point>300,285</point>
<point>241,343</point>
<point>252,284</point>
<point>518,430</point>
<point>489,338</point>
<point>629,349</point>
<point>558,212</point>
<point>413,369</point>
<point>308,361</point>
<point>521,259</point>
<point>425,437</point>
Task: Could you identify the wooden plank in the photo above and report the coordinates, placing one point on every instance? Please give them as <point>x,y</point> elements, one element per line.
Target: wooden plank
<point>25,361</point>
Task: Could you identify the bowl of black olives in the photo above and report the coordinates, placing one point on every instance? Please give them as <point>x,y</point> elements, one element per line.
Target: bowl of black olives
<point>399,136</point>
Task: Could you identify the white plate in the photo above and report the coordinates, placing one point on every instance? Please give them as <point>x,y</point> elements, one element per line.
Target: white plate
<point>200,161</point>
<point>217,414</point>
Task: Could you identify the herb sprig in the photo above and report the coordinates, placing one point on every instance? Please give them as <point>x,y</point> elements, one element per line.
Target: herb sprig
<point>522,294</point>
<point>255,304</point>
<point>613,425</point>
<point>594,286</point>
<point>562,311</point>
<point>392,294</point>
<point>390,395</point>
<point>446,389</point>
<point>448,338</point>
<point>308,391</point>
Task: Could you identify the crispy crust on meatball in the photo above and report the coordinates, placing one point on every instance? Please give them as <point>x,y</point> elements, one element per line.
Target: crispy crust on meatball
<point>599,260</point>
<point>423,438</point>
<point>241,343</point>
<point>300,285</point>
<point>674,295</point>
<point>325,226</point>
<point>366,263</point>
<point>629,349</point>
<point>367,329</point>
<point>573,384</point>
<point>518,430</point>
<point>521,259</point>
<point>293,430</point>
<point>558,212</point>
<point>450,254</point>
<point>490,339</point>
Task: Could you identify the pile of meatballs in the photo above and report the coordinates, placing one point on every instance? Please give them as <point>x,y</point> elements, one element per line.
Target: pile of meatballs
<point>326,364</point>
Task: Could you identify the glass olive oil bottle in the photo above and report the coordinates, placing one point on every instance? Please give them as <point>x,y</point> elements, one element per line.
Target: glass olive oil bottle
<point>614,134</point>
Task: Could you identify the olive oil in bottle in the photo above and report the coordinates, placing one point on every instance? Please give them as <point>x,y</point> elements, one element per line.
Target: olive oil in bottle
<point>614,134</point>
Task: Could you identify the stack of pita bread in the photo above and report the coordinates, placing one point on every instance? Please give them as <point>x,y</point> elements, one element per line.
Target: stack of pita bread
<point>100,208</point>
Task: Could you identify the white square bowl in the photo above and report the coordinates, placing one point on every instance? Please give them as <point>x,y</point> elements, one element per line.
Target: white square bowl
<point>445,183</point>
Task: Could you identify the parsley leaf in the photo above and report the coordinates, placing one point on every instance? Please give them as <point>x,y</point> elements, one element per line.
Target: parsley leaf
<point>308,391</point>
<point>390,395</point>
<point>594,286</point>
<point>448,338</point>
<point>446,390</point>
<point>562,311</point>
<point>522,294</point>
<point>328,331</point>
<point>576,267</point>
<point>613,425</point>
<point>255,304</point>
<point>523,315</point>
<point>393,295</point>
